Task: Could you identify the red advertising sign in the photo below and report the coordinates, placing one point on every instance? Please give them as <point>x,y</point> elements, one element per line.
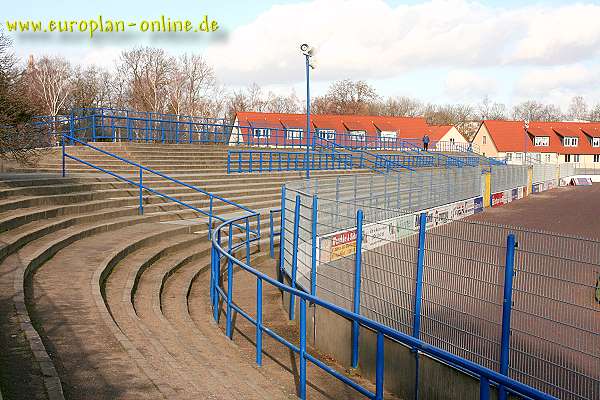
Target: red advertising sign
<point>498,199</point>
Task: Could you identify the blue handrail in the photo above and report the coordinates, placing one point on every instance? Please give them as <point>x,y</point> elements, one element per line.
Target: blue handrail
<point>210,214</point>
<point>486,375</point>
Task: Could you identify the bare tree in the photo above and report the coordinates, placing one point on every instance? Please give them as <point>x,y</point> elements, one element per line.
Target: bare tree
<point>347,97</point>
<point>50,83</point>
<point>283,104</point>
<point>19,138</point>
<point>397,107</point>
<point>91,88</point>
<point>535,111</point>
<point>190,81</point>
<point>595,113</point>
<point>459,115</point>
<point>578,109</point>
<point>146,72</point>
<point>491,110</point>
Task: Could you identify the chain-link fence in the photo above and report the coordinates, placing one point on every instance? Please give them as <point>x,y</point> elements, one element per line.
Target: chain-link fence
<point>555,329</point>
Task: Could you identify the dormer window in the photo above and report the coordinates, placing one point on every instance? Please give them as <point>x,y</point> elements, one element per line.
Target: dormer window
<point>570,141</point>
<point>387,136</point>
<point>261,133</point>
<point>293,134</point>
<point>543,141</point>
<point>357,135</point>
<point>326,134</point>
<point>596,142</point>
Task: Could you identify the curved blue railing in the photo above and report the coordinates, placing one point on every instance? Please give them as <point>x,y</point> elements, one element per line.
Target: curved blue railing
<point>218,293</point>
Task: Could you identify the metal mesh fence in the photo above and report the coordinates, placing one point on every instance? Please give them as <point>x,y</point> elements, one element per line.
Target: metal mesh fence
<point>555,329</point>
<point>507,177</point>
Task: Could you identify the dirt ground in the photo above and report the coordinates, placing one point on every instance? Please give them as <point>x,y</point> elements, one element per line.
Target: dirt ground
<point>571,210</point>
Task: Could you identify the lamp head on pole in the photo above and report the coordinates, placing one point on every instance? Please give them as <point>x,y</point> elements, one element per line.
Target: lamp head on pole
<point>308,51</point>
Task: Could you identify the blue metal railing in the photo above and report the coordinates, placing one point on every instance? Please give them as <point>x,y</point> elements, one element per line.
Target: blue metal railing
<point>139,183</point>
<point>486,376</point>
<point>273,160</point>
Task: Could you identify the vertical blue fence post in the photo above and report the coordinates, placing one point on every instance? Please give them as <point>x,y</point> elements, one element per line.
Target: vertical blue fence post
<point>357,276</point>
<point>271,238</point>
<point>295,254</point>
<point>93,127</point>
<point>210,213</point>
<point>484,388</point>
<point>217,277</point>
<point>282,236</point>
<point>302,355</point>
<point>313,270</point>
<point>379,361</point>
<point>141,191</point>
<point>64,165</point>
<point>259,319</point>
<point>228,327</point>
<point>419,294</point>
<point>507,309</point>
<point>419,279</point>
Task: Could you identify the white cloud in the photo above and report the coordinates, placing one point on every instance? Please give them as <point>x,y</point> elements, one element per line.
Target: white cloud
<point>369,39</point>
<point>465,85</point>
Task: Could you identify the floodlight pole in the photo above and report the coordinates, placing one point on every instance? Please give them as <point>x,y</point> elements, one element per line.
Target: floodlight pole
<point>306,50</point>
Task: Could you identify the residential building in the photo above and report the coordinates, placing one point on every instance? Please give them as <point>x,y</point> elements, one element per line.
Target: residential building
<point>544,142</point>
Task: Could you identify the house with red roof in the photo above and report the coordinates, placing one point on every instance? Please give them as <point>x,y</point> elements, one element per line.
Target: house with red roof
<point>288,130</point>
<point>546,142</point>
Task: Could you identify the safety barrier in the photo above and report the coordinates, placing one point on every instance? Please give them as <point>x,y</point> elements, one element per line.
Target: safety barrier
<point>554,319</point>
<point>224,261</point>
<point>269,161</point>
<point>137,179</point>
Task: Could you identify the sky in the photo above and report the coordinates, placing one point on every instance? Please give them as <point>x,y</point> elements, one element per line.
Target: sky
<point>440,51</point>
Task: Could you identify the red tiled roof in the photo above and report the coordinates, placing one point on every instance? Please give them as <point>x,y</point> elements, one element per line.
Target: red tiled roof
<point>405,126</point>
<point>438,131</point>
<point>509,136</point>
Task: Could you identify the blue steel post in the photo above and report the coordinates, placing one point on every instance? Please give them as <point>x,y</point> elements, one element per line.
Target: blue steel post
<point>229,283</point>
<point>295,254</point>
<point>307,56</point>
<point>507,309</point>
<point>271,233</point>
<point>210,213</point>
<point>248,240</point>
<point>141,191</point>
<point>357,276</point>
<point>259,319</point>
<point>419,294</point>
<point>484,388</point>
<point>64,165</point>
<point>93,127</point>
<point>302,355</point>
<point>379,361</point>
<point>282,236</point>
<point>217,279</point>
<point>313,271</point>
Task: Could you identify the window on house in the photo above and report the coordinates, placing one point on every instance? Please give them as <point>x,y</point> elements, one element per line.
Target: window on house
<point>261,133</point>
<point>541,141</point>
<point>452,140</point>
<point>357,136</point>
<point>519,156</point>
<point>387,136</point>
<point>567,158</point>
<point>570,141</point>
<point>326,134</point>
<point>548,158</point>
<point>596,158</point>
<point>596,142</point>
<point>484,140</point>
<point>576,158</point>
<point>293,134</point>
<point>508,156</point>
